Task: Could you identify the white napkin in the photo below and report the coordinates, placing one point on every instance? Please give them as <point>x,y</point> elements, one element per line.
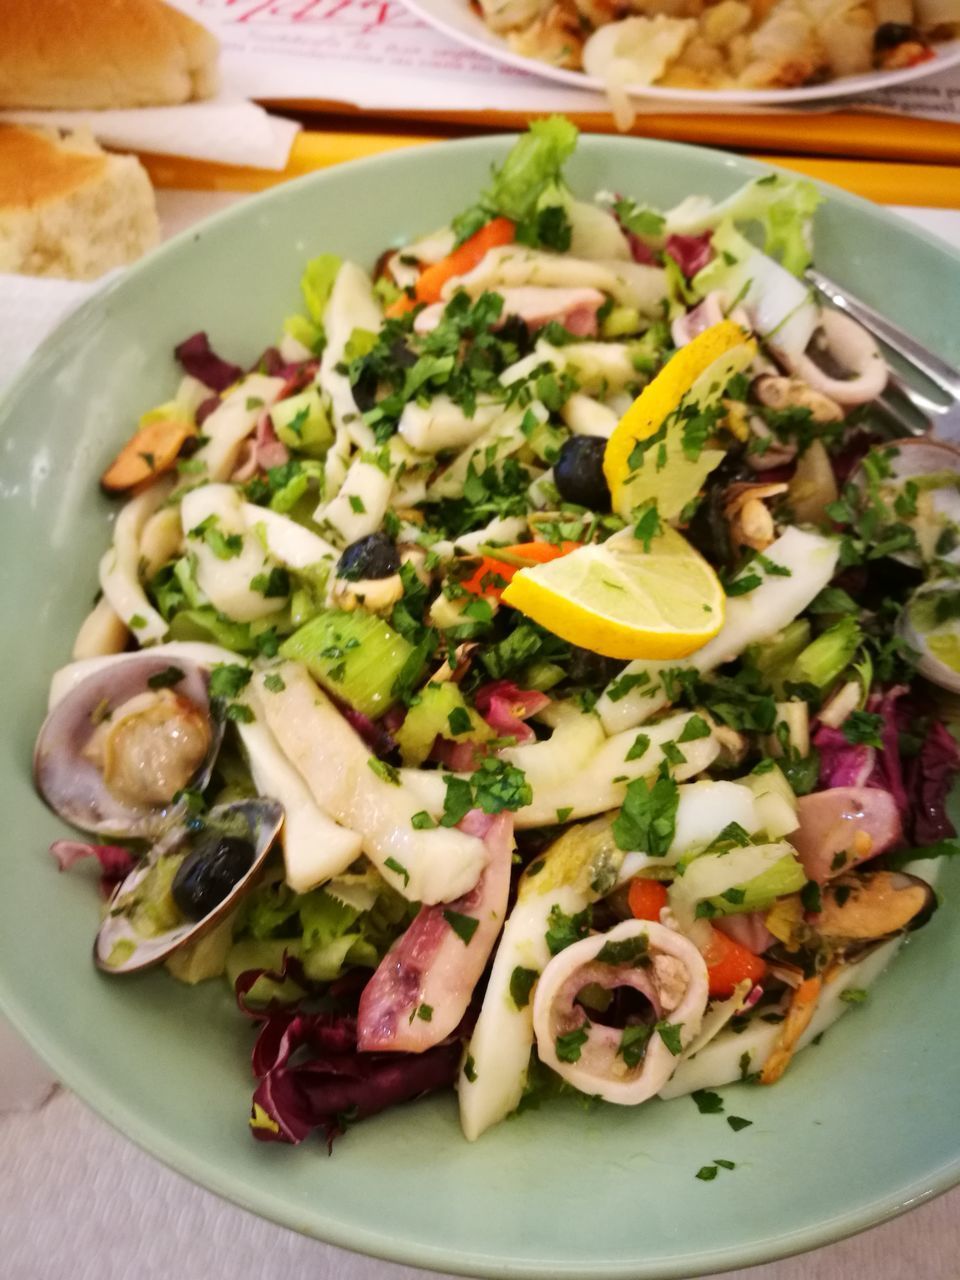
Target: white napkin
<point>29,309</point>
<point>226,129</point>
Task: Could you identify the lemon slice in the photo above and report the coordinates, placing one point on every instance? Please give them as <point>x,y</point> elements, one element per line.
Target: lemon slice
<point>623,602</point>
<point>667,472</point>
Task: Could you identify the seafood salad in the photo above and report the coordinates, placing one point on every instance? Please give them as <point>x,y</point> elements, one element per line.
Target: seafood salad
<point>527,678</point>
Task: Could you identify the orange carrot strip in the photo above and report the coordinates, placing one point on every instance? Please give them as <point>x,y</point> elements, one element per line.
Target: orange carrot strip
<point>531,552</point>
<point>464,258</point>
<point>728,963</point>
<point>646,898</point>
<point>400,306</point>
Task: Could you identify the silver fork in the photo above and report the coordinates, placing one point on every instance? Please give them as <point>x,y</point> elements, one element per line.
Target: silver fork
<point>941,418</point>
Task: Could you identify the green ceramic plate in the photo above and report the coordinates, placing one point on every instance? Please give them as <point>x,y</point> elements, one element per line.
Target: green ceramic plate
<point>862,1127</point>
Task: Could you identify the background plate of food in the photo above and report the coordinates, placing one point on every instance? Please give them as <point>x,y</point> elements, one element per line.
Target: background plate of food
<point>733,52</point>
<point>206,549</point>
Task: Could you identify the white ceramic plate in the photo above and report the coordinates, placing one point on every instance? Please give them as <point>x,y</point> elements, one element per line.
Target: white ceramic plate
<point>456,19</point>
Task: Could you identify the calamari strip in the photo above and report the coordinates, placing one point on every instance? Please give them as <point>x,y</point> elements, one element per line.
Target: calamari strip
<point>667,969</point>
<point>421,990</point>
<point>120,566</point>
<point>425,866</point>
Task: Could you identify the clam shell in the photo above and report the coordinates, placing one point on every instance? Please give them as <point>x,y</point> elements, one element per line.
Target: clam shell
<point>73,786</point>
<point>923,456</point>
<point>935,669</point>
<point>119,948</point>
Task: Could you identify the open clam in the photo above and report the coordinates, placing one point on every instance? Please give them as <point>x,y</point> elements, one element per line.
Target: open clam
<point>930,624</point>
<point>113,756</point>
<point>924,483</point>
<point>194,877</point>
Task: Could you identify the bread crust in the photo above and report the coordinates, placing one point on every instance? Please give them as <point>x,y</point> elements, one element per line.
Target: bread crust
<point>97,54</point>
<point>69,209</point>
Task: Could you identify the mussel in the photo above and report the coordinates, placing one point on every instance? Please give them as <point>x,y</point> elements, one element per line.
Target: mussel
<point>861,910</point>
<point>116,753</point>
<point>193,877</point>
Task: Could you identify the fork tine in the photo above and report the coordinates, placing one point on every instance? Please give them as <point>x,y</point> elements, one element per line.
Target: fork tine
<point>905,426</point>
<point>944,375</point>
<point>923,404</point>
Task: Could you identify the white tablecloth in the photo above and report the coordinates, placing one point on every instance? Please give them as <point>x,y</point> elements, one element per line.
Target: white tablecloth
<point>79,1202</point>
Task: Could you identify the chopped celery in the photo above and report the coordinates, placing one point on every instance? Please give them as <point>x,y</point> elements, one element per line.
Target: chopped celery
<point>824,660</point>
<point>210,627</point>
<point>785,876</point>
<point>791,730</point>
<point>776,656</point>
<point>301,423</point>
<point>432,716</point>
<point>541,676</point>
<point>305,332</point>
<point>775,802</point>
<point>621,322</point>
<point>355,656</point>
<point>546,441</point>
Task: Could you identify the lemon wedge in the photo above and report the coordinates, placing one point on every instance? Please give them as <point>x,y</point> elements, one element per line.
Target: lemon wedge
<point>622,601</point>
<point>672,468</point>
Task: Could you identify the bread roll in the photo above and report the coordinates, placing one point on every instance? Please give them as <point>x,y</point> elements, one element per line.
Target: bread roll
<point>67,208</point>
<point>92,54</point>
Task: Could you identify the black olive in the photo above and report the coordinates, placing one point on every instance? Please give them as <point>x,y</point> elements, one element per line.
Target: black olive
<point>208,873</point>
<point>365,390</point>
<point>890,34</point>
<point>374,556</point>
<point>578,472</point>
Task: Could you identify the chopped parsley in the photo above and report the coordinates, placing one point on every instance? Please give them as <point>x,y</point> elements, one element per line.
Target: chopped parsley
<point>165,679</point>
<point>696,727</point>
<point>633,1044</point>
<point>398,869</point>
<point>274,585</point>
<point>227,679</point>
<point>737,1123</point>
<point>639,747</point>
<point>463,926</point>
<point>273,683</point>
<point>421,821</point>
<point>669,1033</point>
<point>708,1103</point>
<point>383,770</point>
<point>521,984</point>
<point>863,727</point>
<point>564,930</point>
<point>853,995</point>
<point>648,818</point>
<point>459,721</point>
<point>627,951</point>
<point>568,1046</point>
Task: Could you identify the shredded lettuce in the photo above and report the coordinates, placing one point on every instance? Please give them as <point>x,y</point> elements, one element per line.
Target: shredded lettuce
<point>783,207</point>
<point>351,921</point>
<point>316,284</point>
<point>528,185</point>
